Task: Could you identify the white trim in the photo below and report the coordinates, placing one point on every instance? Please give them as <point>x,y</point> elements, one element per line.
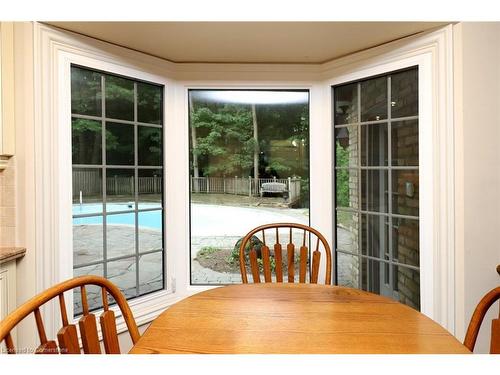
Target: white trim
<point>53,152</point>
<point>53,49</point>
<point>433,54</point>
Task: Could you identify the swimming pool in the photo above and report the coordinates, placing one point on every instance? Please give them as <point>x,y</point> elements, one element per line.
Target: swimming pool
<point>147,219</point>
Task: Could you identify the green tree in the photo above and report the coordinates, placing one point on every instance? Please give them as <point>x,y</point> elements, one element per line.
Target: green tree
<point>224,138</point>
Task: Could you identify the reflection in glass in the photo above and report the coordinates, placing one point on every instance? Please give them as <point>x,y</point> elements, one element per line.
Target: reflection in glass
<point>407,286</point>
<point>87,190</point>
<point>86,137</point>
<point>150,231</point>
<point>242,142</point>
<point>374,190</point>
<point>94,295</point>
<point>119,98</point>
<point>149,145</point>
<point>85,92</point>
<point>347,270</point>
<point>404,93</point>
<point>405,191</point>
<point>150,272</point>
<point>347,231</point>
<point>372,275</point>
<point>150,188</point>
<point>375,236</point>
<point>388,184</point>
<point>374,99</point>
<point>404,143</point>
<point>346,104</point>
<point>122,273</point>
<point>119,144</point>
<point>346,151</point>
<point>120,235</point>
<point>347,187</point>
<point>120,190</point>
<point>87,239</point>
<point>149,99</point>
<point>405,241</point>
<point>374,150</point>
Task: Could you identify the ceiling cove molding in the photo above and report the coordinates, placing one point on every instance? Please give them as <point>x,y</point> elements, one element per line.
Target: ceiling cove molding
<point>226,71</point>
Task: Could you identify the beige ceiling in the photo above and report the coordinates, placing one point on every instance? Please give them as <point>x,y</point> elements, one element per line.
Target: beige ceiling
<point>248,42</point>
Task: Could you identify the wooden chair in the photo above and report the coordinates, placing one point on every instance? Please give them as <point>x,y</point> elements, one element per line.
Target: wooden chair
<point>67,336</point>
<point>290,255</point>
<point>477,318</point>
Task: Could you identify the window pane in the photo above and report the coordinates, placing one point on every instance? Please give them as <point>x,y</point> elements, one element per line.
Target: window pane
<point>370,275</point>
<point>120,235</point>
<point>369,238</point>
<point>150,231</point>
<point>404,94</point>
<point>87,191</point>
<point>87,240</point>
<point>149,103</point>
<point>375,236</point>
<point>407,286</point>
<point>346,151</point>
<point>347,187</point>
<point>405,143</point>
<point>119,98</point>
<point>374,190</point>
<point>347,270</point>
<point>117,228</point>
<point>374,149</point>
<point>94,294</point>
<point>150,145</point>
<point>120,190</point>
<point>119,144</point>
<point>346,104</point>
<point>405,241</point>
<point>374,99</point>
<point>150,272</point>
<point>405,189</point>
<point>249,159</point>
<point>150,188</point>
<point>85,92</point>
<point>86,137</point>
<point>347,231</point>
<point>122,273</point>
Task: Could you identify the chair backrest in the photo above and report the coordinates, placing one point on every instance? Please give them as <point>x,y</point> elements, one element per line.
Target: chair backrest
<point>67,336</point>
<point>477,318</point>
<point>274,258</point>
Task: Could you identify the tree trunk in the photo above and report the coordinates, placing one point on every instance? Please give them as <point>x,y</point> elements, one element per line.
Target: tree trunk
<point>256,149</point>
<point>194,145</point>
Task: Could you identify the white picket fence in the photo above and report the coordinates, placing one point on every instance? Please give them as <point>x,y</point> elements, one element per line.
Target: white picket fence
<point>89,183</point>
<point>243,186</point>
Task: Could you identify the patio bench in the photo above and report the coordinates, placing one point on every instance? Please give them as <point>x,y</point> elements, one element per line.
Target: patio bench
<point>274,188</point>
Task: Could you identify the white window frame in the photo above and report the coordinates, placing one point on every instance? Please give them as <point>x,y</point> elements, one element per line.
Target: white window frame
<point>432,53</point>
<point>55,50</point>
<point>316,182</point>
<point>54,258</point>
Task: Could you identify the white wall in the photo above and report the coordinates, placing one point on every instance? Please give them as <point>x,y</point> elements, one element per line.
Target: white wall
<point>477,121</point>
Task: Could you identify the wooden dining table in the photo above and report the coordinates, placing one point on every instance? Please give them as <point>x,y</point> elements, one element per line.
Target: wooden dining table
<point>286,318</point>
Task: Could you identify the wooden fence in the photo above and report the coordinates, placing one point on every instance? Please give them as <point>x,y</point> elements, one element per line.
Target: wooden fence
<point>243,186</point>
<point>89,183</point>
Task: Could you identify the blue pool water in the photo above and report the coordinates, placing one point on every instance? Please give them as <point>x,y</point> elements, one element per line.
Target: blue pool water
<point>148,219</point>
